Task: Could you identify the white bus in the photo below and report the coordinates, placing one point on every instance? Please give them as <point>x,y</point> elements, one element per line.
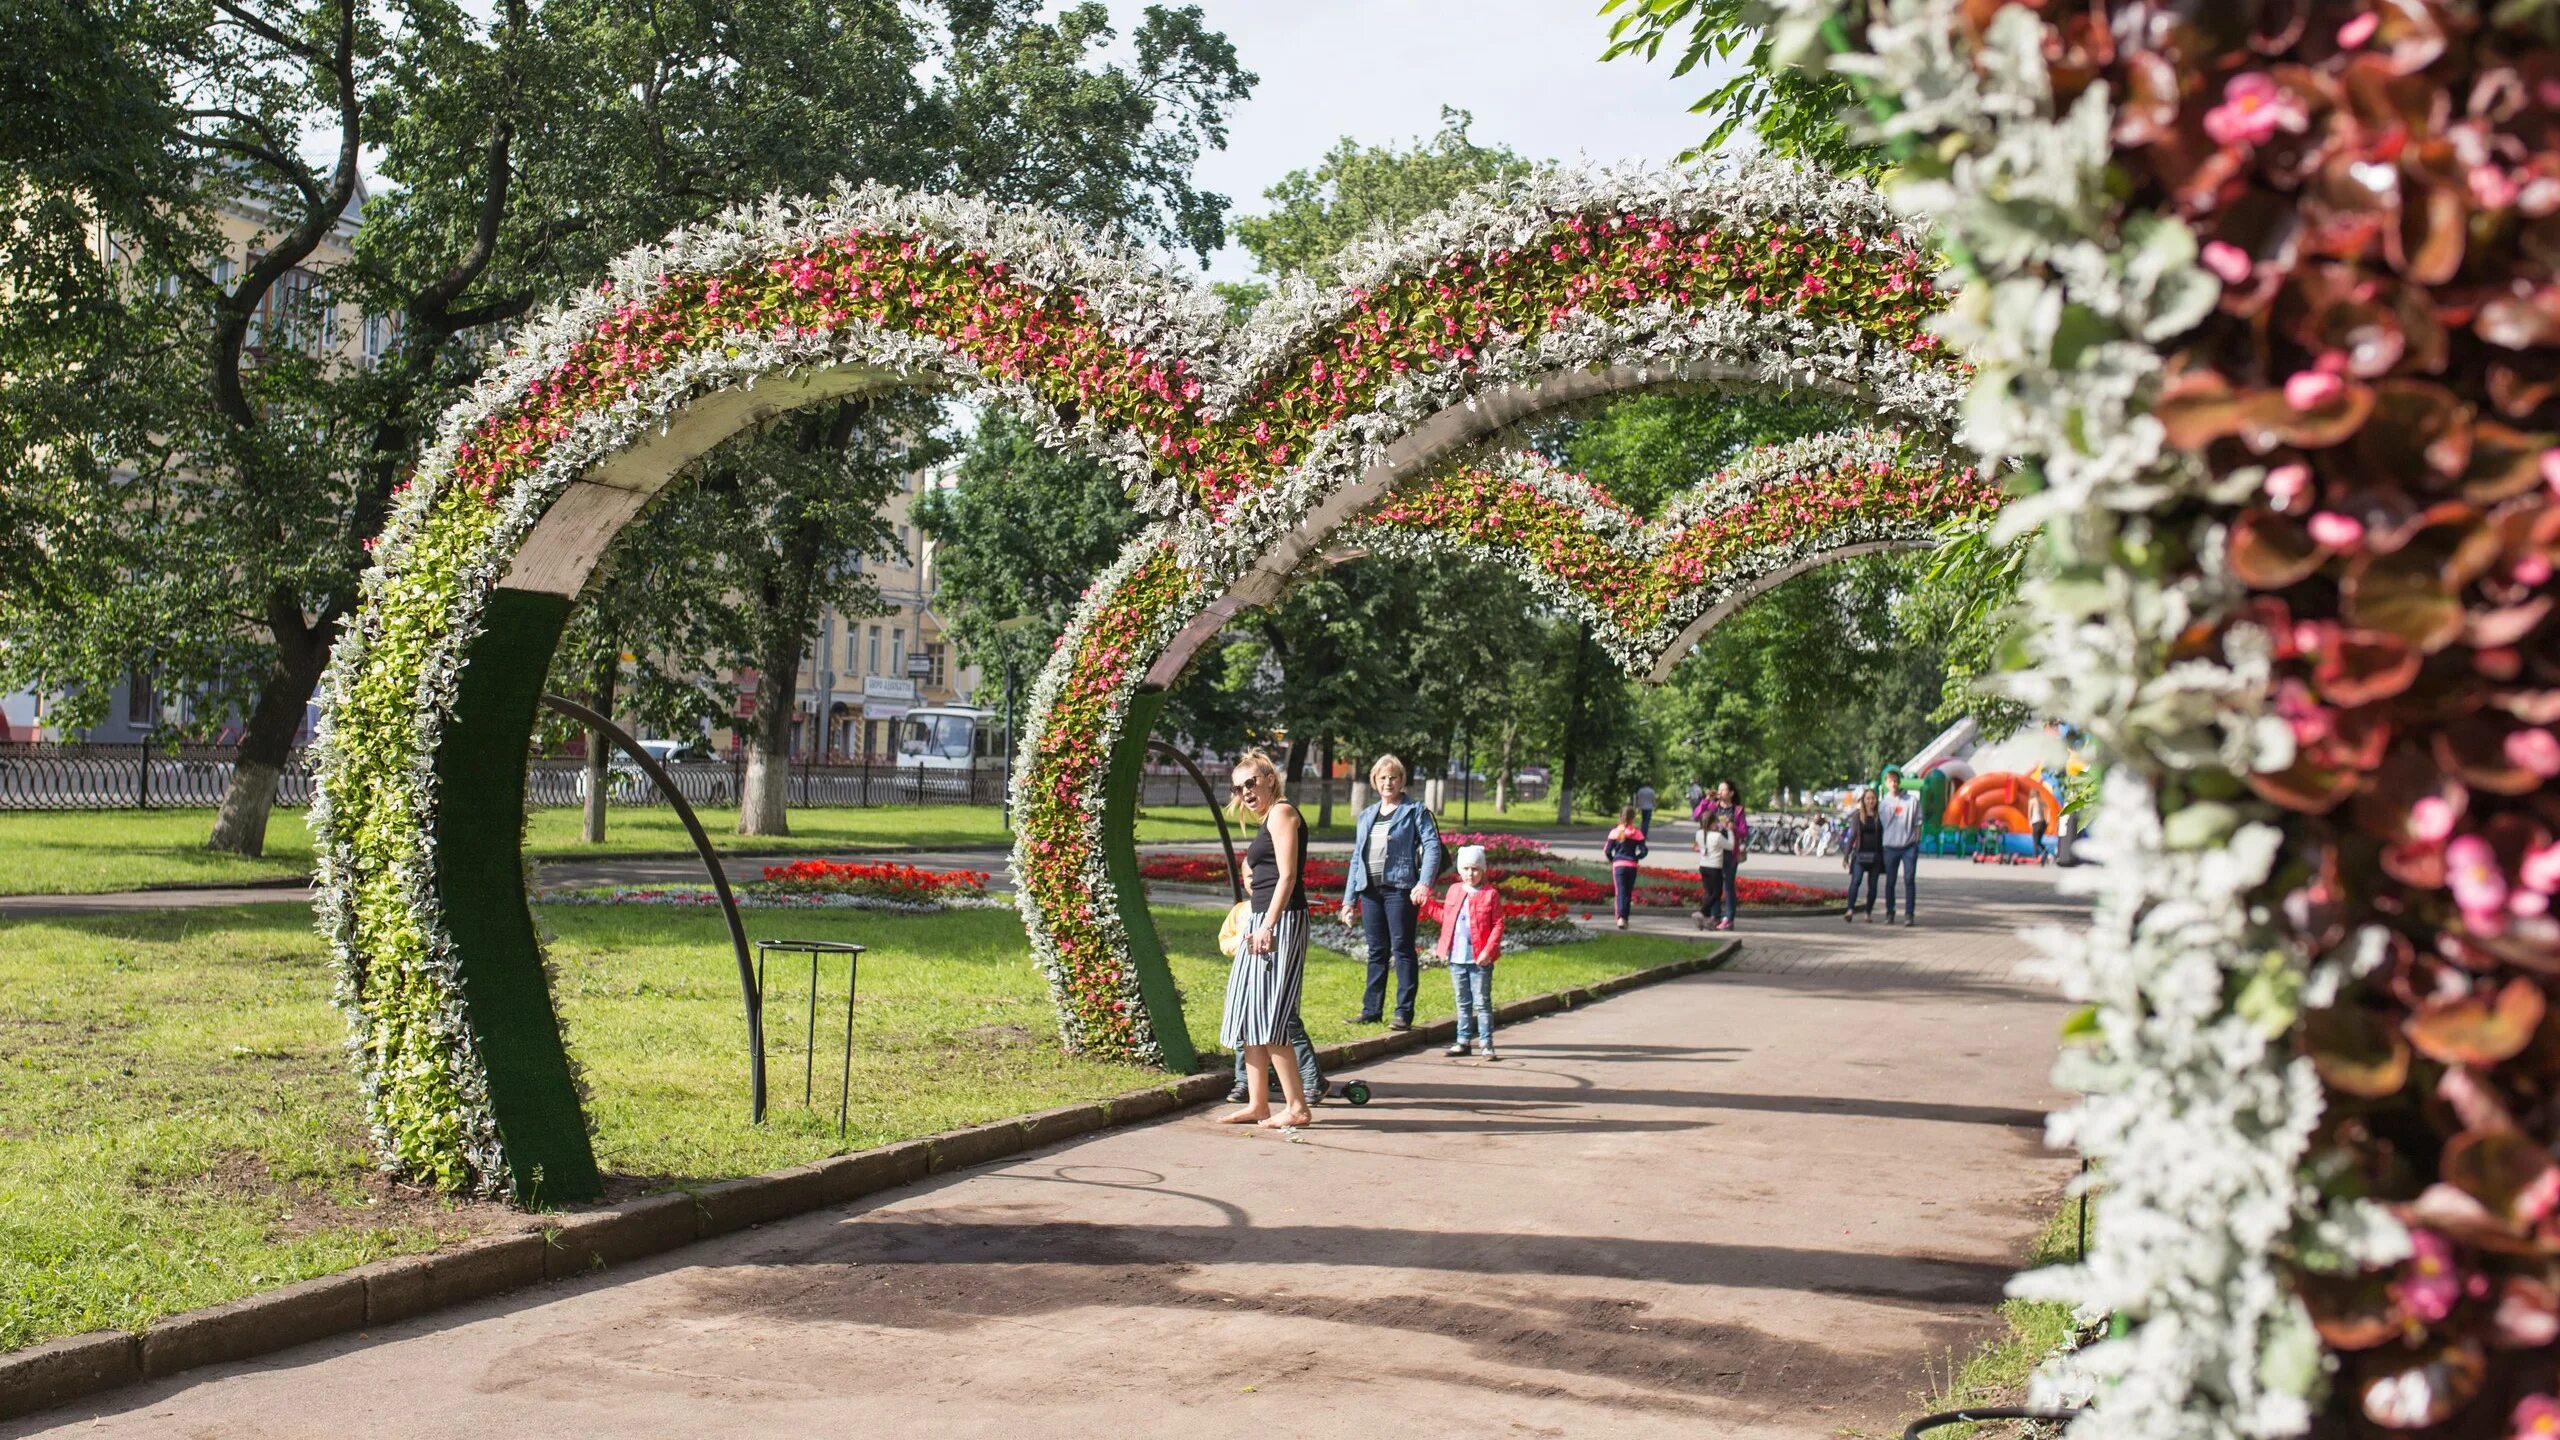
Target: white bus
<point>950,737</point>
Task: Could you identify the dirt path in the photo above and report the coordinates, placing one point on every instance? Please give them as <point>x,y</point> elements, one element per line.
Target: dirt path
<point>1756,1202</point>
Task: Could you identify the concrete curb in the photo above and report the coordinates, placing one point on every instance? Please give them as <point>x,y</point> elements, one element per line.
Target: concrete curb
<point>61,1371</point>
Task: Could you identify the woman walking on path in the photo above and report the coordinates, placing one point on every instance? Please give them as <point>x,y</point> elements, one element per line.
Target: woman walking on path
<point>1262,985</point>
<point>1725,801</point>
<point>1625,851</point>
<point>1395,855</point>
<point>1864,855</point>
<point>1471,940</point>
<point>2037,822</point>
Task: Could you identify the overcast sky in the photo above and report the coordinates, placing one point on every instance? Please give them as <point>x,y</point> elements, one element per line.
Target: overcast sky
<point>1379,71</point>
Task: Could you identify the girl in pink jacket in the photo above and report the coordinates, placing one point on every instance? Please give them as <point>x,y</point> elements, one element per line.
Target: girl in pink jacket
<point>1470,919</point>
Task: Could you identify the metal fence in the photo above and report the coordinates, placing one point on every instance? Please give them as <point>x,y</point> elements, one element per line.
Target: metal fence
<point>44,775</point>
<point>47,776</point>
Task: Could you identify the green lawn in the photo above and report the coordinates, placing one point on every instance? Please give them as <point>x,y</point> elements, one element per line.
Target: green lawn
<point>88,852</point>
<point>178,1126</point>
<point>2033,1330</point>
<point>46,852</point>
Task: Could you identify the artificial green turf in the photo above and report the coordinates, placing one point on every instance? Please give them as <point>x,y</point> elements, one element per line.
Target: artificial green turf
<point>178,1125</point>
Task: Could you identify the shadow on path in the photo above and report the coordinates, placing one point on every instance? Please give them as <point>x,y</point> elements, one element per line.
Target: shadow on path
<point>1529,1097</point>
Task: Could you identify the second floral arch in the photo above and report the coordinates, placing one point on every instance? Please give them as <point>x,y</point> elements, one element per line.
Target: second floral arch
<point>1369,416</point>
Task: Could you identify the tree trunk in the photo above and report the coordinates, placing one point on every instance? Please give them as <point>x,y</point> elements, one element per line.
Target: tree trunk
<point>1293,763</point>
<point>599,754</point>
<point>1324,787</point>
<point>1577,718</point>
<point>275,721</point>
<point>1502,777</point>
<point>764,808</point>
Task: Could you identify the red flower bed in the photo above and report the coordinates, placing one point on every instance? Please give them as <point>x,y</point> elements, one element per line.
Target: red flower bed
<point>1321,873</point>
<point>887,881</point>
<point>1498,848</point>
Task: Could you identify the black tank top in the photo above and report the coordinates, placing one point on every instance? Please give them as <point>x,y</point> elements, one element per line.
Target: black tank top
<point>1262,863</point>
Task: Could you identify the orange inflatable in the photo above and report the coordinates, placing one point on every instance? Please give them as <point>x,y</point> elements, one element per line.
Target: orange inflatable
<point>1998,799</point>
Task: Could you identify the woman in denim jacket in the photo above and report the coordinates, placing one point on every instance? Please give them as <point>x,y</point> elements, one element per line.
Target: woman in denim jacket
<point>1395,855</point>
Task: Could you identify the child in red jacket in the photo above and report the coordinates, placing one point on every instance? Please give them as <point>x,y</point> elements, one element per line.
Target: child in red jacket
<point>1470,919</point>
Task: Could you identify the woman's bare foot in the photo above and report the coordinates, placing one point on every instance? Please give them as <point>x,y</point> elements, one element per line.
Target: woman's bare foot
<point>1246,1116</point>
<point>1290,1121</point>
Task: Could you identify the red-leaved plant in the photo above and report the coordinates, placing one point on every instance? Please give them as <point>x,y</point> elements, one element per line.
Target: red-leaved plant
<point>2377,186</point>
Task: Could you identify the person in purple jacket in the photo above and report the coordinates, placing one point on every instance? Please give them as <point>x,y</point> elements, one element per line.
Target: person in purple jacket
<point>1724,800</point>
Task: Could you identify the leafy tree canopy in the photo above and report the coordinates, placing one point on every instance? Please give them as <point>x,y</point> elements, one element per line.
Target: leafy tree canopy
<point>199,446</point>
<point>1797,112</point>
<point>1358,189</point>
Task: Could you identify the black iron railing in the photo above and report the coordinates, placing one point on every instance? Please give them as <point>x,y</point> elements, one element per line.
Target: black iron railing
<point>82,776</point>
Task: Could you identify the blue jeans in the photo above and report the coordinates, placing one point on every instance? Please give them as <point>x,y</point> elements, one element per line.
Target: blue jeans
<point>1902,862</point>
<point>1474,984</point>
<point>1624,878</point>
<point>1387,917</point>
<point>1866,868</point>
<point>1307,1068</point>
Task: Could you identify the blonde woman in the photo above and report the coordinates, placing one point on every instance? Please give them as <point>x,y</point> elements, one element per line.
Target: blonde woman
<point>1395,855</point>
<point>1262,984</point>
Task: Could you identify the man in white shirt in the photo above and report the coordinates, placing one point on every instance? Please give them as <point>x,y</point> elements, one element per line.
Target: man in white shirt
<point>1645,800</point>
<point>1900,812</point>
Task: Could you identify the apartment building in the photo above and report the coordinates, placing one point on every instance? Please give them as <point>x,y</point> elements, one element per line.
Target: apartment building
<point>864,673</point>
<point>298,312</point>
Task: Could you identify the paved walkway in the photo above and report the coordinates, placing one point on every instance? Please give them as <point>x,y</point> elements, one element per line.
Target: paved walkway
<point>1756,1202</point>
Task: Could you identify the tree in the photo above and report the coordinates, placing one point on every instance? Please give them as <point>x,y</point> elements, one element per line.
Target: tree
<point>216,525</point>
<point>1647,450</point>
<point>1426,633</point>
<point>1021,114</point>
<point>1793,111</point>
<point>782,514</point>
<point>1357,189</point>
<point>1018,539</point>
<point>1819,681</point>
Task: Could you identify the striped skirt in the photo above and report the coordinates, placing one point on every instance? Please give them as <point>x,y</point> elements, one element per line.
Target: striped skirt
<point>1262,990</point>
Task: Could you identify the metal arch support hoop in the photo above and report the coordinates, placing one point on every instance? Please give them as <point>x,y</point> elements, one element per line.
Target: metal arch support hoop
<point>666,784</point>
<point>1209,797</point>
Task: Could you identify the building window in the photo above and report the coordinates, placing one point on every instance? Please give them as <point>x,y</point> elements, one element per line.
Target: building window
<point>898,652</point>
<point>906,551</point>
<point>137,698</point>
<point>852,647</point>
<point>874,667</point>
<point>933,655</point>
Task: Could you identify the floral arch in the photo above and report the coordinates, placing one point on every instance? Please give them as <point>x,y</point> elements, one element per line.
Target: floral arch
<point>1649,588</point>
<point>1251,445</point>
